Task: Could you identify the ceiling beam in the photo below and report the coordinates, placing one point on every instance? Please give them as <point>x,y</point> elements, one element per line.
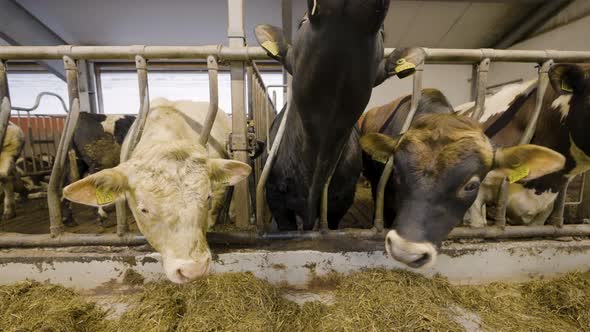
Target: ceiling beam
<point>19,27</point>
<point>533,21</point>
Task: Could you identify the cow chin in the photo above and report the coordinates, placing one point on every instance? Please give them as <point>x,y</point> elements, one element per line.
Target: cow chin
<point>184,270</point>
<point>413,254</point>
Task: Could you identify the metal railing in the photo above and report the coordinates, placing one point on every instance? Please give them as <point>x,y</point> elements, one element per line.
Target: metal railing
<point>261,98</point>
<point>42,134</point>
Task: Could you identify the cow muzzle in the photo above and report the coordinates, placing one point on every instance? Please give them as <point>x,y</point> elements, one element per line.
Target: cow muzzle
<point>413,254</point>
<point>184,270</point>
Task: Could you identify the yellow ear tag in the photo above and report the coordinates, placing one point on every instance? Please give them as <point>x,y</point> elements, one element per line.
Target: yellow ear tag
<point>566,87</point>
<point>518,174</point>
<point>271,47</point>
<point>104,197</point>
<point>403,65</point>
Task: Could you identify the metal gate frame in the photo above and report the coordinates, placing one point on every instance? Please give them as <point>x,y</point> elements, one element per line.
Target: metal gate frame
<point>245,55</point>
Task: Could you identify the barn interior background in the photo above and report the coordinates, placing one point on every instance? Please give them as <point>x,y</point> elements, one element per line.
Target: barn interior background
<point>108,83</point>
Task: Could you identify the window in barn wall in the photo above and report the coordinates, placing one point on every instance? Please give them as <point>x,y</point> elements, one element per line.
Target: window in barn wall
<point>274,78</point>
<point>25,86</point>
<point>120,92</point>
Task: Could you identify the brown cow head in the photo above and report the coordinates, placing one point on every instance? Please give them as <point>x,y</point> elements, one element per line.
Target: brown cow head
<point>439,165</point>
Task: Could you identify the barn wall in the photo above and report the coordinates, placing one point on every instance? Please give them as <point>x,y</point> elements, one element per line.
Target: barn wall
<point>453,80</point>
<point>571,37</point>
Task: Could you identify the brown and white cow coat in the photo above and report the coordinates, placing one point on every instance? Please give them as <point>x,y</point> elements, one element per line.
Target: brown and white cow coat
<point>562,126</point>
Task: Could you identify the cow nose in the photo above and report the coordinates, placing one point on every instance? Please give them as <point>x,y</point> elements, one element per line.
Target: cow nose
<point>181,271</point>
<point>413,254</point>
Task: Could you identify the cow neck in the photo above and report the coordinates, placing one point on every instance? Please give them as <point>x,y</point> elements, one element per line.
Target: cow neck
<point>392,114</point>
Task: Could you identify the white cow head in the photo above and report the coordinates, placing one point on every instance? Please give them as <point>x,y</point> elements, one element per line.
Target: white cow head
<point>168,187</point>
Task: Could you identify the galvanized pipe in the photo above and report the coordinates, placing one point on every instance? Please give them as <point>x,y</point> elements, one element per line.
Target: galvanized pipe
<point>38,101</point>
<point>134,136</point>
<point>54,189</point>
<point>502,204</point>
<point>556,218</point>
<point>482,80</point>
<point>260,218</point>
<point>248,53</point>
<point>212,67</point>
<point>541,89</point>
<point>11,240</point>
<point>388,169</point>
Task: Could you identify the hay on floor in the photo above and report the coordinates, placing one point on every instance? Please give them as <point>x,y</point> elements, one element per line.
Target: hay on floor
<point>374,300</point>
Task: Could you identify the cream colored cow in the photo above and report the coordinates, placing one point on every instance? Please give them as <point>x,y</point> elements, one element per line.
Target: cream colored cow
<point>14,141</point>
<point>173,185</point>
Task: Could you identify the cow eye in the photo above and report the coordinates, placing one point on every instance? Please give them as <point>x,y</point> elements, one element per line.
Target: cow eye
<point>472,186</point>
<point>144,211</point>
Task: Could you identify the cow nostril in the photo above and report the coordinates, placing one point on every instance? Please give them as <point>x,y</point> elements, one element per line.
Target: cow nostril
<point>180,275</point>
<point>388,242</point>
<point>425,258</point>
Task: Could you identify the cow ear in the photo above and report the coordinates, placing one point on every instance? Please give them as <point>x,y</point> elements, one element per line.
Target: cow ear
<point>98,189</point>
<point>271,39</point>
<point>567,78</point>
<point>403,61</point>
<point>228,172</point>
<point>527,162</point>
<point>380,147</point>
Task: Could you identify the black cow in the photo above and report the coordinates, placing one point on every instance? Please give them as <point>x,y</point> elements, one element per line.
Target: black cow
<point>336,59</point>
<point>97,143</point>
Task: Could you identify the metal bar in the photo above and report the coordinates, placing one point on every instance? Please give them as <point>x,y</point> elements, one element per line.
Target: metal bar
<point>98,89</point>
<point>83,87</point>
<point>249,53</point>
<point>5,107</point>
<point>502,204</point>
<point>473,91</point>
<point>380,200</point>
<point>580,193</point>
<point>55,182</point>
<point>260,218</point>
<point>556,218</point>
<point>239,141</point>
<point>480,97</point>
<point>38,102</point>
<point>12,240</point>
<point>541,89</point>
<point>212,67</point>
<point>134,136</point>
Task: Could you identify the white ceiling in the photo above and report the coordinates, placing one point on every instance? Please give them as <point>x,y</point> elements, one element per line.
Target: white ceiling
<point>181,22</point>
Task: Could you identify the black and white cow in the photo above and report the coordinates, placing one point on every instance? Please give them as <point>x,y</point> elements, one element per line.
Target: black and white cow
<point>336,59</point>
<point>562,126</point>
<point>97,143</point>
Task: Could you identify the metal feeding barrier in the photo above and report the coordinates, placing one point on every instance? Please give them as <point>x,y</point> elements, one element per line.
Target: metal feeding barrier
<point>262,111</point>
<point>42,134</point>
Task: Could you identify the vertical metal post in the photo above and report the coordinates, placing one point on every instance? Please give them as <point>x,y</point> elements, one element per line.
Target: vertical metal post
<point>213,100</point>
<point>556,218</point>
<point>134,136</point>
<point>260,201</point>
<point>84,87</point>
<point>5,107</point>
<point>239,140</point>
<point>380,200</point>
<point>502,204</point>
<point>56,181</point>
<point>541,89</point>
<point>98,89</point>
<point>287,22</point>
<point>482,80</point>
<point>92,87</point>
<point>473,92</point>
